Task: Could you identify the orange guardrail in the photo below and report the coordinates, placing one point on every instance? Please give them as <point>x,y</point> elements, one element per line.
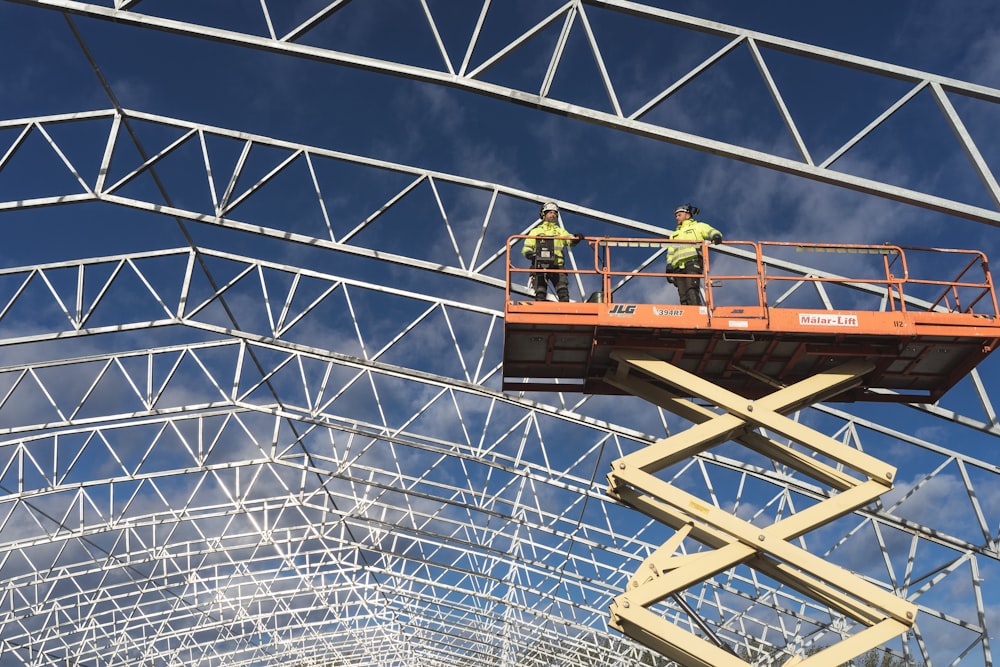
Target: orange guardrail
<point>882,278</point>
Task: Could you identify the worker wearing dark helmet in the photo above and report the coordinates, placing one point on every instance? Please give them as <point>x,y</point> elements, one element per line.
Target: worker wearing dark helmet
<point>544,249</point>
<point>685,258</point>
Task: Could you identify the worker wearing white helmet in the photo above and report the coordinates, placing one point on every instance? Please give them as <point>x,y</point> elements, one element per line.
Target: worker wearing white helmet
<point>544,249</point>
<point>686,258</point>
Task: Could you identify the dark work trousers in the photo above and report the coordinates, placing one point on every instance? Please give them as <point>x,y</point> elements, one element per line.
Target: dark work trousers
<point>689,289</point>
<point>558,279</point>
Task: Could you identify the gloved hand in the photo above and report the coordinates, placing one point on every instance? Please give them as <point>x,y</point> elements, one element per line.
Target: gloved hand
<point>717,239</point>
<point>530,255</point>
<point>576,239</point>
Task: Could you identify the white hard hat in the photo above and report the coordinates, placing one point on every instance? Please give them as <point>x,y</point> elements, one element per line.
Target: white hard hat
<point>549,206</point>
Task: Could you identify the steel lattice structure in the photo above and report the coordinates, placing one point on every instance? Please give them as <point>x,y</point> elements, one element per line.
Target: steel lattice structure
<point>262,457</point>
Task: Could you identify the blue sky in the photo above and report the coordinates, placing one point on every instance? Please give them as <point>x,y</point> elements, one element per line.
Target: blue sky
<point>458,132</point>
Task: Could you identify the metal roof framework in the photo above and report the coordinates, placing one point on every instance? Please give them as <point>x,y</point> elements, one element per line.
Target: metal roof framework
<point>295,482</point>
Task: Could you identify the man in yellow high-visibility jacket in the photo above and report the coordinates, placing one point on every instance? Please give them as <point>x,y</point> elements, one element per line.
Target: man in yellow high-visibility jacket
<point>686,258</point>
<point>544,249</point>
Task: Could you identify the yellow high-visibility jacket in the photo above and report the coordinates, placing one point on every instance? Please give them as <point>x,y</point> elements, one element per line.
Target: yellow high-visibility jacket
<point>688,230</point>
<point>549,229</point>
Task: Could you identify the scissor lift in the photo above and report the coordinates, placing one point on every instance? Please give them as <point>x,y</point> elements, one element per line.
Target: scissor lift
<point>768,342</point>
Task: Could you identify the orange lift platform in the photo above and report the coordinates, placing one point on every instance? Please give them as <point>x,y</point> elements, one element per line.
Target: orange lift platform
<point>862,322</point>
<point>924,316</point>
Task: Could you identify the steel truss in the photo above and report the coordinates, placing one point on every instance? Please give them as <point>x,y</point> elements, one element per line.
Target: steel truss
<point>250,463</point>
<point>230,419</point>
<point>580,20</point>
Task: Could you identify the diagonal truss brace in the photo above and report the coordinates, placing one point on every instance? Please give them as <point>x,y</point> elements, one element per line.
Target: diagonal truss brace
<point>733,541</point>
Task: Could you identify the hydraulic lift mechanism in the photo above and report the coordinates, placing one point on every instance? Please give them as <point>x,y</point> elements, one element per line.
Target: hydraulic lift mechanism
<point>768,342</point>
